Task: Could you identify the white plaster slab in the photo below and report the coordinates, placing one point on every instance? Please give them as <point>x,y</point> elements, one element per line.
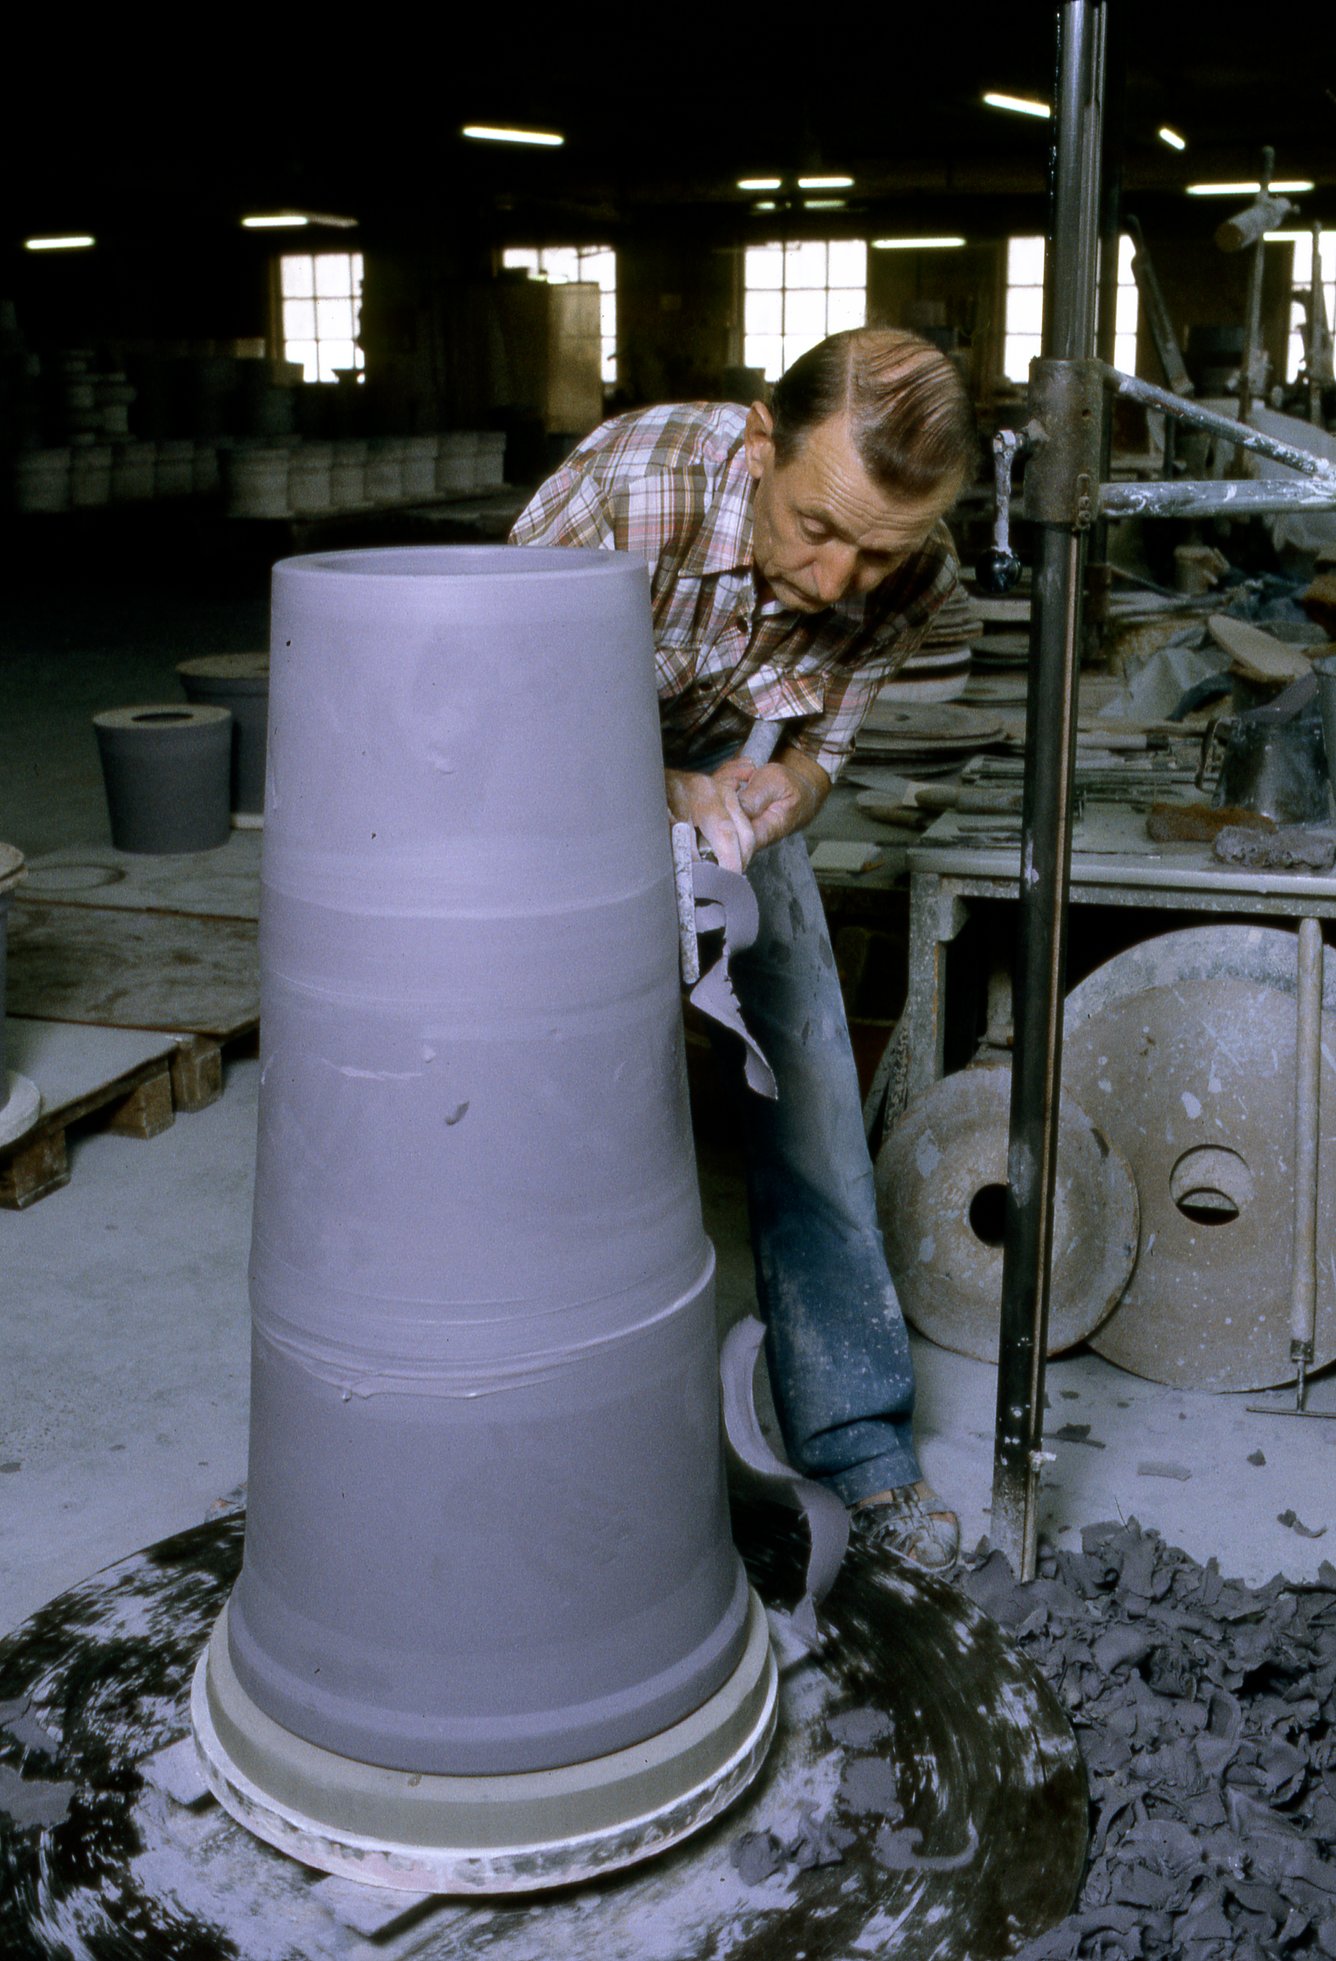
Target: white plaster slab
<point>835,855</point>
<point>222,884</point>
<point>70,1062</point>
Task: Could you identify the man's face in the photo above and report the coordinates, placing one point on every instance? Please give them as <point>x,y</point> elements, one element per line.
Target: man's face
<point>821,528</point>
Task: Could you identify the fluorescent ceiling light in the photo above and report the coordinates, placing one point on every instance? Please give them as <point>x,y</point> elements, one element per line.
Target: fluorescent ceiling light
<point>914,244</point>
<point>1171,137</point>
<point>546,139</point>
<point>1247,190</point>
<point>759,183</point>
<point>825,183</point>
<point>1020,105</point>
<point>286,220</point>
<point>765,204</point>
<point>1285,238</point>
<point>68,242</point>
<point>824,203</point>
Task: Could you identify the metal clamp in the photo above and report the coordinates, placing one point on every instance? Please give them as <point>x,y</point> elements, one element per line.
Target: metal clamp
<point>999,568</point>
<point>1062,480</point>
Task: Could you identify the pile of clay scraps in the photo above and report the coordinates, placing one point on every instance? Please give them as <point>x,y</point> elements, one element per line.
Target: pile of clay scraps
<point>1206,1714</point>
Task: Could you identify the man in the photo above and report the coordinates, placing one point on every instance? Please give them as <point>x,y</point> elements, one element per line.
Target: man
<point>797,554</point>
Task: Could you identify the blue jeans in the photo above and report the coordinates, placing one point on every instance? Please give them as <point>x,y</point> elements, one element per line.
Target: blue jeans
<point>836,1344</point>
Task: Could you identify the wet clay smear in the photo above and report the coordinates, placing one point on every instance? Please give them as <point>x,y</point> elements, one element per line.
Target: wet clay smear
<point>1205,1710</point>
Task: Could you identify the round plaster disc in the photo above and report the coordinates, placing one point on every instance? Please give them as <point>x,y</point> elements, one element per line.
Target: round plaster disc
<point>1194,1083</point>
<point>930,687</point>
<point>1265,954</point>
<point>21,1108</point>
<point>954,653</point>
<point>961,728</point>
<point>11,866</point>
<point>941,1192</point>
<point>244,673</point>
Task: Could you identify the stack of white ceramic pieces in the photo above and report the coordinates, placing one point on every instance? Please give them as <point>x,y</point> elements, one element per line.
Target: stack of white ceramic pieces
<point>1001,666</point>
<point>939,669</point>
<point>1002,609</point>
<point>1003,648</point>
<point>924,739</point>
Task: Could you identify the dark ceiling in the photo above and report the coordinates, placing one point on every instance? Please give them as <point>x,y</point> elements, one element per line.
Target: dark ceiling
<point>369,126</point>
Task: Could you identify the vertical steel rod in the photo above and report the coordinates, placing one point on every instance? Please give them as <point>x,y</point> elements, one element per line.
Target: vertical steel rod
<point>1307,1137</point>
<point>1318,340</point>
<point>1046,819</point>
<point>1252,374</point>
<point>1107,188</point>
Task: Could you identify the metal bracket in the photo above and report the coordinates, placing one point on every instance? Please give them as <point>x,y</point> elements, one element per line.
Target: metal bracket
<point>1062,481</point>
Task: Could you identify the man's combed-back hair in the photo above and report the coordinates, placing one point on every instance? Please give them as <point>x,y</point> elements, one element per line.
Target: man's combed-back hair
<point>911,418</point>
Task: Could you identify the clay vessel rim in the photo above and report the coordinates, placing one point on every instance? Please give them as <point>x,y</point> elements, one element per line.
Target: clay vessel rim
<point>163,714</point>
<point>461,561</point>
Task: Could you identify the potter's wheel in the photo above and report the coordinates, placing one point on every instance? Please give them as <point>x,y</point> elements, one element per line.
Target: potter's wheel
<point>963,1815</point>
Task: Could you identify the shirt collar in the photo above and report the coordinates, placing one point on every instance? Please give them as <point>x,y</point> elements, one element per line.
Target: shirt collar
<point>724,541</point>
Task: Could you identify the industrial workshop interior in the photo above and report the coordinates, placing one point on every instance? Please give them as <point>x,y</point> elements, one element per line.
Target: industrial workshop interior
<point>667,903</point>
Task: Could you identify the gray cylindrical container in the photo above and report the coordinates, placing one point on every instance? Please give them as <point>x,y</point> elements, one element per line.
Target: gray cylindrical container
<point>239,683</point>
<point>167,770</point>
<point>487,1532</point>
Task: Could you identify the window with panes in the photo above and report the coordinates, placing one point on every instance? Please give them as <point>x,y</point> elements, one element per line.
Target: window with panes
<point>795,294</point>
<point>1024,330</point>
<point>320,312</point>
<point>563,264</point>
<point>1302,275</point>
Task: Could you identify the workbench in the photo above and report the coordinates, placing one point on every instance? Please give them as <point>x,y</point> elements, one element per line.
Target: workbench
<point>958,862</point>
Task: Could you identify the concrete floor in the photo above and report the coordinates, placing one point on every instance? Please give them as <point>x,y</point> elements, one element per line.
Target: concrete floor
<point>123,1391</point>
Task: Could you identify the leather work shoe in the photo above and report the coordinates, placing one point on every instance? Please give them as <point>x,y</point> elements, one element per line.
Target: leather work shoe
<point>913,1523</point>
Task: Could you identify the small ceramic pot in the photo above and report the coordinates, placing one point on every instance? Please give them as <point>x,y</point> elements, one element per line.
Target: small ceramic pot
<point>167,769</point>
<point>239,683</point>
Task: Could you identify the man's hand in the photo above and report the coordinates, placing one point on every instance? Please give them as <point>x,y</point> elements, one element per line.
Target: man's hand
<point>742,808</point>
<point>712,807</point>
<point>779,797</point>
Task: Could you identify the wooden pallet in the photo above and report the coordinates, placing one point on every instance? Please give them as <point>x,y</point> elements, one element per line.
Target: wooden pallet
<point>129,1081</point>
<point>123,1000</point>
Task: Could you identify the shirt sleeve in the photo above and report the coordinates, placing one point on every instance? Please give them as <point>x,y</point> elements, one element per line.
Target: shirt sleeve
<point>900,625</point>
<point>570,508</point>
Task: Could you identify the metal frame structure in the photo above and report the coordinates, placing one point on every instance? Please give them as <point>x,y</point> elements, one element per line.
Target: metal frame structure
<point>1064,497</point>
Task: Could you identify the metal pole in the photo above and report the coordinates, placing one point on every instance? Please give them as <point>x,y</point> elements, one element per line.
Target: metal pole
<point>1318,354</point>
<point>1046,819</point>
<point>1252,374</point>
<point>1198,416</point>
<point>1105,170</point>
<point>1222,497</point>
<point>1307,1137</point>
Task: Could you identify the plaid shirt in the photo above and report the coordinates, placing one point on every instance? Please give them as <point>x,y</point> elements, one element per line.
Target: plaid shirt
<point>671,484</point>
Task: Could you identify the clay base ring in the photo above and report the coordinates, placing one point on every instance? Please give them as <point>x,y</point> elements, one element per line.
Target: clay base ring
<point>472,1835</point>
